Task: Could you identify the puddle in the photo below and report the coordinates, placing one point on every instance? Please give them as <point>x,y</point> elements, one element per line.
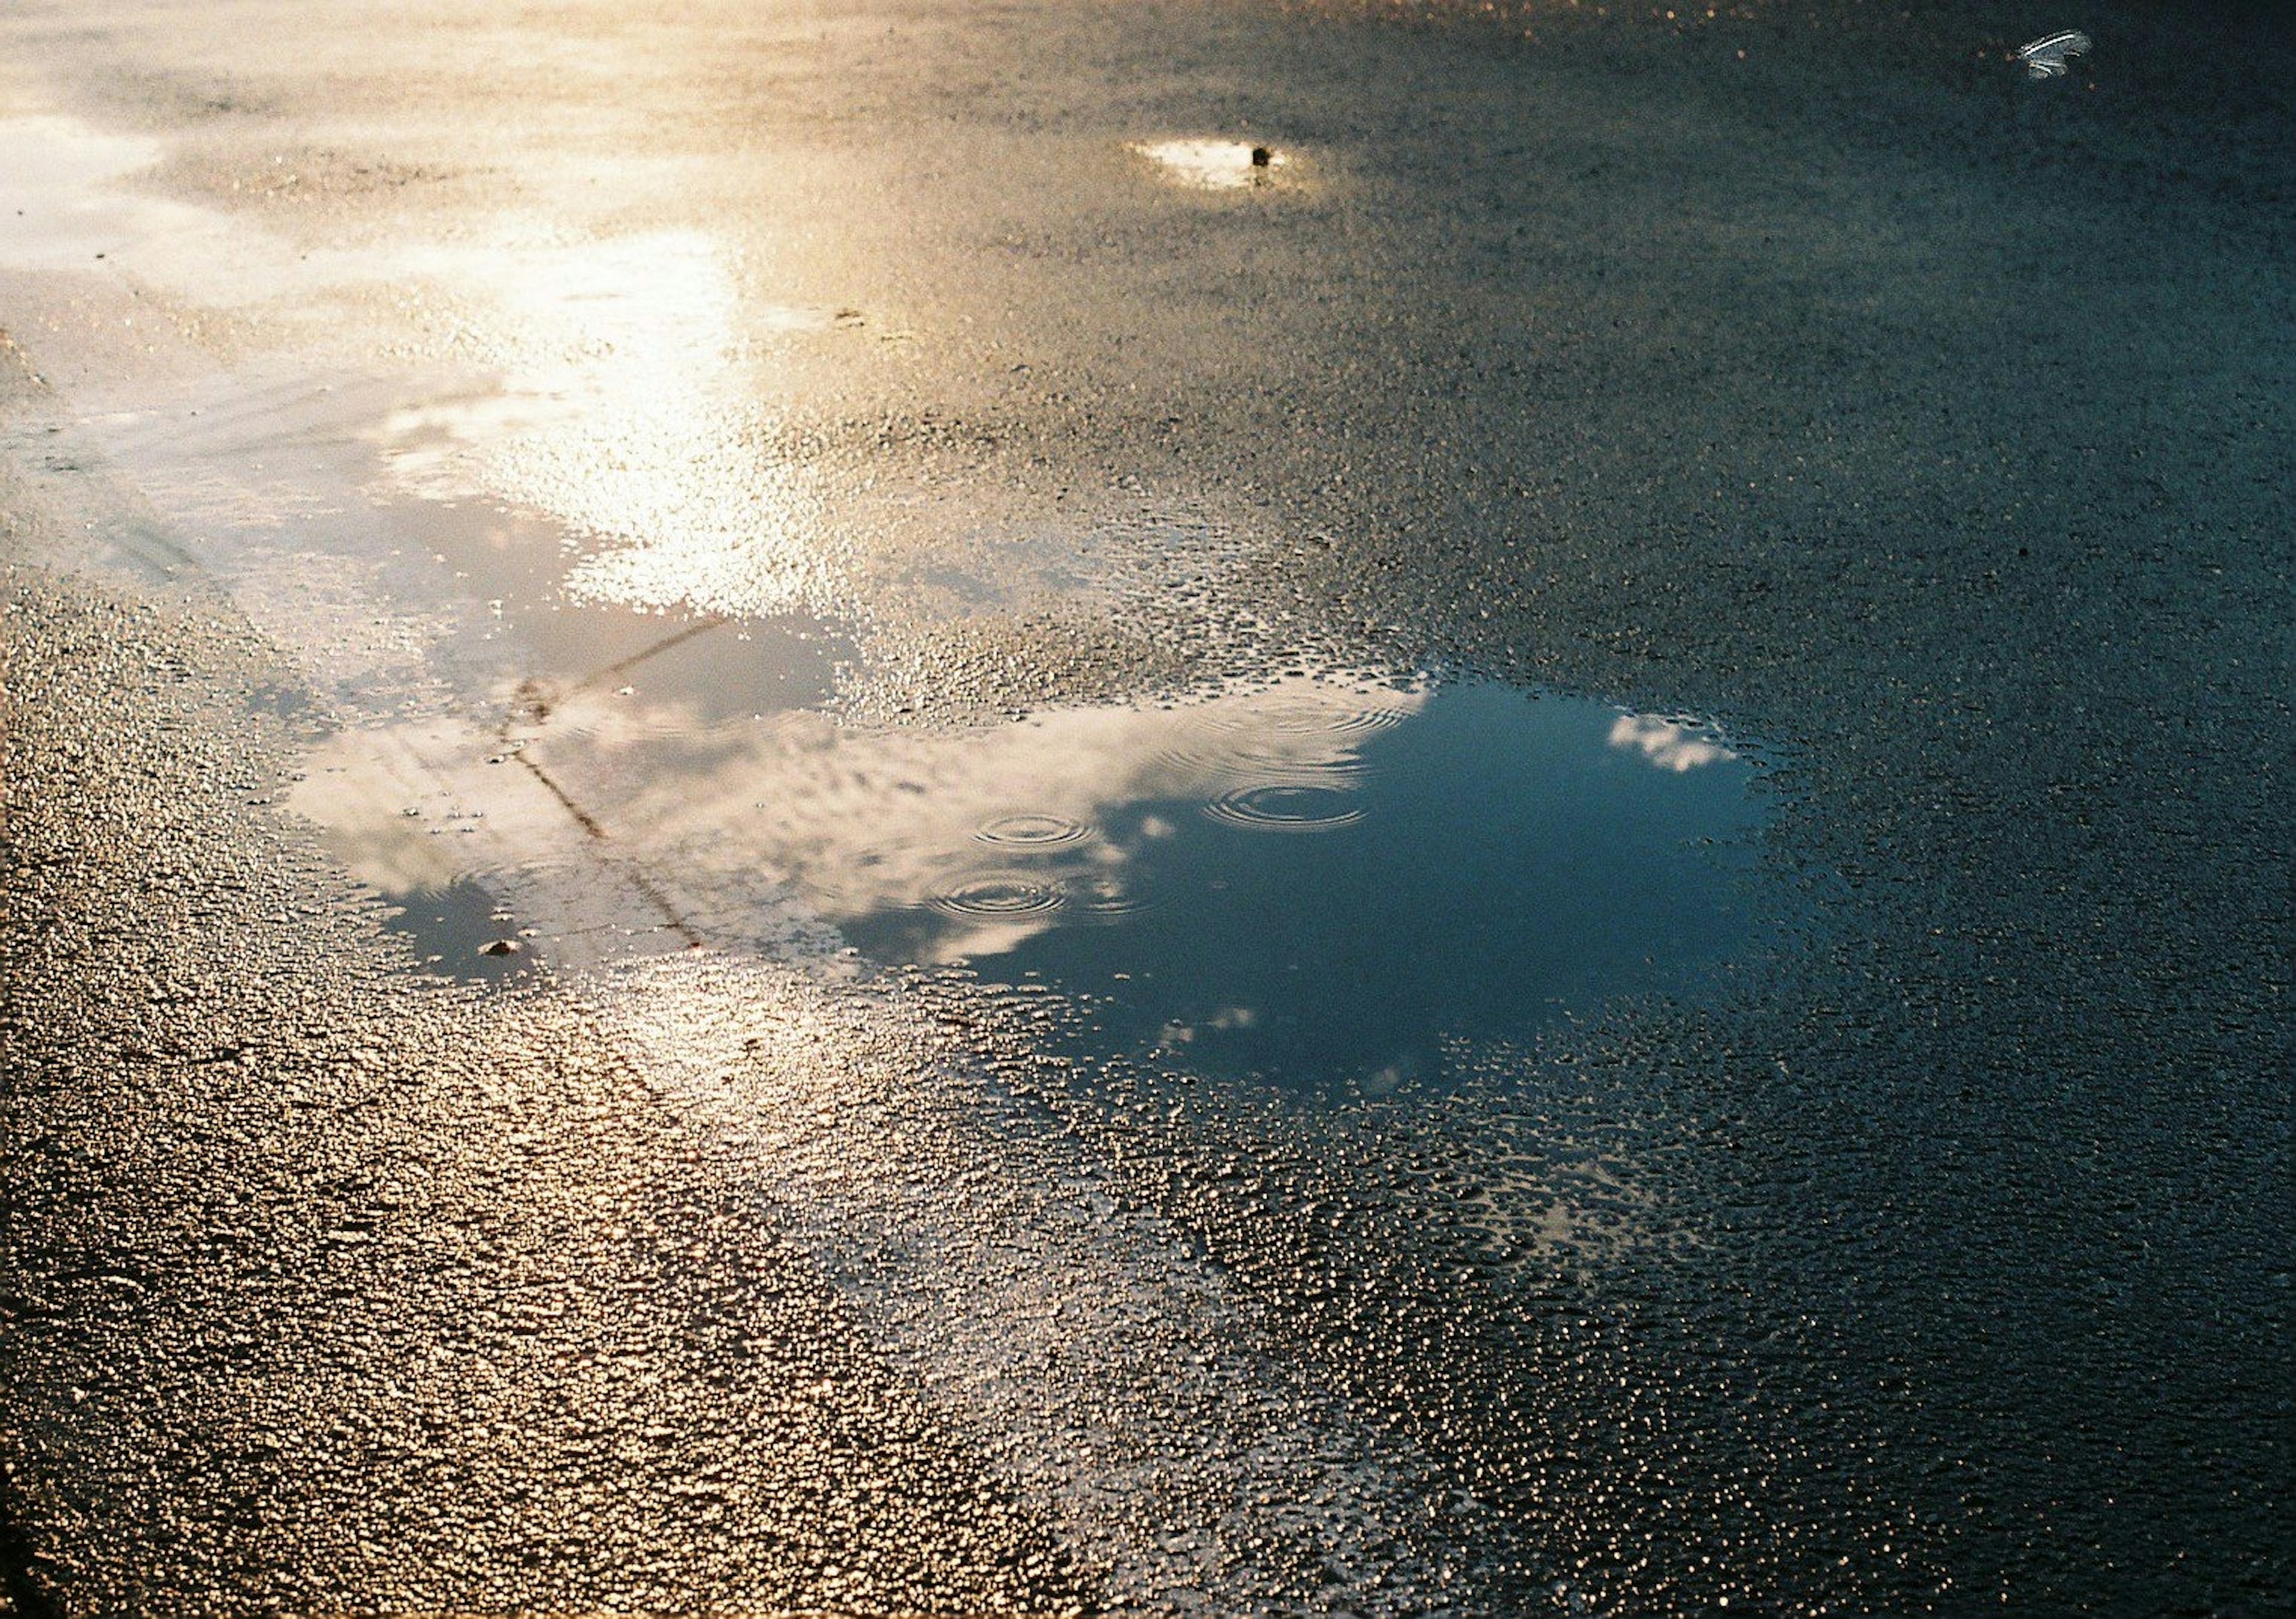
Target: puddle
<point>1326,886</point>
<point>1323,883</point>
<point>696,670</point>
<point>59,194</point>
<point>628,406</point>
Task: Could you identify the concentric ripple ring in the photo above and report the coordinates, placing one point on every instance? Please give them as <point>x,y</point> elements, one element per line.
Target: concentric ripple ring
<point>1280,806</point>
<point>1243,744</point>
<point>998,895</point>
<point>1032,829</point>
<point>1289,715</point>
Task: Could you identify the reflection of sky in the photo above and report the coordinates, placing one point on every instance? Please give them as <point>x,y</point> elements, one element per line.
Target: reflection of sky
<point>630,392</point>
<point>1479,867</point>
<point>619,404</point>
<point>1669,744</point>
<point>65,208</point>
<point>885,823</point>
<point>859,822</point>
<point>632,396</point>
<point>1457,858</point>
<point>54,217</point>
<point>1473,859</point>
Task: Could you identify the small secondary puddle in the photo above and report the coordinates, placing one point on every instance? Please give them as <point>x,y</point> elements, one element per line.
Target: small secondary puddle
<point>1323,886</point>
<point>1214,165</point>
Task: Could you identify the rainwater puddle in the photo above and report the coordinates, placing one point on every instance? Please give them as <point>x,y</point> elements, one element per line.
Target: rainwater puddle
<point>580,612</point>
<point>1322,883</point>
<point>696,670</point>
<point>1324,886</point>
<point>54,165</point>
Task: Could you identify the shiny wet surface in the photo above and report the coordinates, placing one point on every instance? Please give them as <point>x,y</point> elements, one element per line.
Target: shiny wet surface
<point>689,488</point>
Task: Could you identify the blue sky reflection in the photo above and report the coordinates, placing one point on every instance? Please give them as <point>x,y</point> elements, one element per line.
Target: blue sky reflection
<point>1328,898</point>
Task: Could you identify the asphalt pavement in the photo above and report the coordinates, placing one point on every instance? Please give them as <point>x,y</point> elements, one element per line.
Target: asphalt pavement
<point>523,528</point>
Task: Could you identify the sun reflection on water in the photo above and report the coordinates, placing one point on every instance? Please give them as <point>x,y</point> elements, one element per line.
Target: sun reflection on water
<point>626,409</point>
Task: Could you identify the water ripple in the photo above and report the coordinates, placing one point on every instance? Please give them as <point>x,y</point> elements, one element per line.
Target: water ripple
<point>999,897</point>
<point>1292,737</point>
<point>1302,713</point>
<point>1286,806</point>
<point>1033,830</point>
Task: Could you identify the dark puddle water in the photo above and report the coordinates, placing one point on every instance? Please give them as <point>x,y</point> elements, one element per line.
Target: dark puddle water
<point>1326,893</point>
<point>460,931</point>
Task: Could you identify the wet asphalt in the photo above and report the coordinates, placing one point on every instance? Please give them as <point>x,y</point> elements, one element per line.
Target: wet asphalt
<point>1927,424</point>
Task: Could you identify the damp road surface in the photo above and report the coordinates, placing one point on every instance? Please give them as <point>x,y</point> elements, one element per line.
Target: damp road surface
<point>1229,806</point>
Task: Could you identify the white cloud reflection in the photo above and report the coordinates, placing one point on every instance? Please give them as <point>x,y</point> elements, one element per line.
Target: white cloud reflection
<point>760,833</point>
<point>1669,744</point>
